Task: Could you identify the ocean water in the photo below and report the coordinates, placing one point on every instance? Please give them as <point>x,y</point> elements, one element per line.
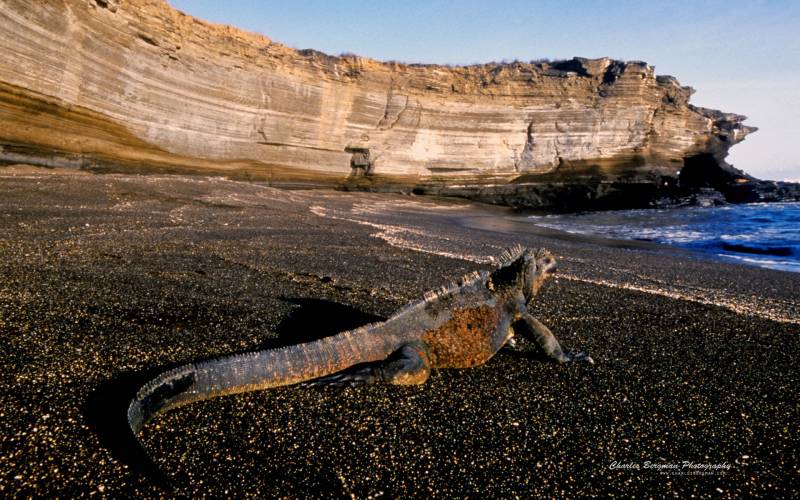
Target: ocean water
<point>759,234</point>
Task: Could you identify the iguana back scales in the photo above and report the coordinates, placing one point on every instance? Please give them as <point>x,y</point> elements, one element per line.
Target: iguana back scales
<point>458,326</point>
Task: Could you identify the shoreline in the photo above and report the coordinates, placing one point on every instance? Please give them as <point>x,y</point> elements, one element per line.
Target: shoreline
<point>107,279</point>
<point>763,237</point>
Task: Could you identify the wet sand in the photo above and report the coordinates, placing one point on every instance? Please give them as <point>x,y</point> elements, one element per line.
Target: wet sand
<point>106,280</point>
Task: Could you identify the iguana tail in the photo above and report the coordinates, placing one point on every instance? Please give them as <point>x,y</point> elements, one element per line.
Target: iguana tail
<point>254,371</point>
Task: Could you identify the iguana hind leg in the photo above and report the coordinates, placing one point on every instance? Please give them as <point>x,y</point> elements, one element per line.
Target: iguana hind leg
<point>547,341</point>
<point>407,366</point>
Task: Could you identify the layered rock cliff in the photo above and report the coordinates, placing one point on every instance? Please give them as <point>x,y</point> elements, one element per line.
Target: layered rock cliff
<point>137,85</point>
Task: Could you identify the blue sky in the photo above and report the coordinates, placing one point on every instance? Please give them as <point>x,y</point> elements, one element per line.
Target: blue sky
<point>741,56</point>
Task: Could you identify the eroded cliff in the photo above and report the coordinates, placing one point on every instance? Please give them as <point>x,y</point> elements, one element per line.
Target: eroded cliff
<point>137,85</point>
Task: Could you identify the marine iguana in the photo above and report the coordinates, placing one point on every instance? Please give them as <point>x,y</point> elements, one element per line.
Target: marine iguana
<point>457,326</point>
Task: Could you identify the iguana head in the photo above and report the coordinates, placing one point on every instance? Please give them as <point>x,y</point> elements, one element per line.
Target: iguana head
<point>538,265</point>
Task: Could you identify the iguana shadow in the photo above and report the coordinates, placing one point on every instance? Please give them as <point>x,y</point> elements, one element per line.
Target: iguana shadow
<point>314,319</point>
<point>106,408</point>
<point>106,411</point>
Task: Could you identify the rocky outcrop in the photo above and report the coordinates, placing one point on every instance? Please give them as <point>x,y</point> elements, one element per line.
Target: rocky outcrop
<point>137,85</point>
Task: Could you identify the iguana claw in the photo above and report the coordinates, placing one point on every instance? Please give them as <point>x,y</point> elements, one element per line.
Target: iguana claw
<point>354,378</point>
<point>578,357</point>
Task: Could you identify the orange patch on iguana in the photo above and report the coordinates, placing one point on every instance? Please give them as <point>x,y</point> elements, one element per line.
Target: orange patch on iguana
<point>464,340</point>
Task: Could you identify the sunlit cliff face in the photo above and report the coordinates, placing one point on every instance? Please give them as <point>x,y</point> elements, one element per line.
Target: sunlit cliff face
<point>212,99</point>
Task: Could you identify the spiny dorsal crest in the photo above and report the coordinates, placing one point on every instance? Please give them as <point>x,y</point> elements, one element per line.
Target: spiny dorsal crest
<point>505,259</point>
<point>510,255</point>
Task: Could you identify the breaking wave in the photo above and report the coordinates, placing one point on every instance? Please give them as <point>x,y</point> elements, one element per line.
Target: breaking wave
<point>760,234</point>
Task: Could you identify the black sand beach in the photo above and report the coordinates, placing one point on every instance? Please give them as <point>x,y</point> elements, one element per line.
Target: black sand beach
<point>106,280</point>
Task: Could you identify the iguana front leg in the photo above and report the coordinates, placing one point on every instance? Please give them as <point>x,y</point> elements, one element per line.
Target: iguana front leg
<point>547,341</point>
<point>408,365</point>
